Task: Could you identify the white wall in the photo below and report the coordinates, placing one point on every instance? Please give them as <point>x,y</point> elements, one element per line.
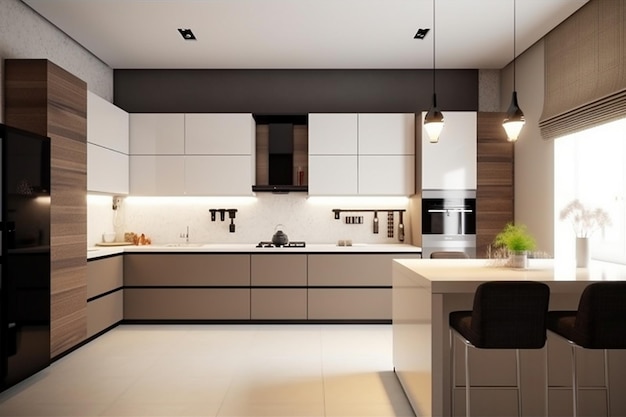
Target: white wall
<point>26,35</point>
<point>308,219</point>
<point>534,156</point>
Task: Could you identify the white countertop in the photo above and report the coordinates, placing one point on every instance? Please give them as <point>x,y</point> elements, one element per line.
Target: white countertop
<point>100,251</point>
<point>462,275</point>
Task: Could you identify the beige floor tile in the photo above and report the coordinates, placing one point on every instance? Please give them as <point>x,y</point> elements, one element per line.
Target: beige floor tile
<point>219,370</point>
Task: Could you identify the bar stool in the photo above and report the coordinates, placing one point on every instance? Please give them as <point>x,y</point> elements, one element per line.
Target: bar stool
<point>599,323</point>
<point>505,315</point>
<point>449,255</point>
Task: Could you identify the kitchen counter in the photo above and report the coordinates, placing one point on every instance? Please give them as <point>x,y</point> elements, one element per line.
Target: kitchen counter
<point>101,251</point>
<point>424,293</point>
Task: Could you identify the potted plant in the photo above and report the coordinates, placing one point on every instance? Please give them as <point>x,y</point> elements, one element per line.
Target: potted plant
<point>585,222</point>
<point>517,241</point>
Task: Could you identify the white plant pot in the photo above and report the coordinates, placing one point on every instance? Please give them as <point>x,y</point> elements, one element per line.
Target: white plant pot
<point>582,252</point>
<point>518,259</point>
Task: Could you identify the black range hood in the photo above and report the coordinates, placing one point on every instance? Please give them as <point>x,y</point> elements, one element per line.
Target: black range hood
<point>280,158</point>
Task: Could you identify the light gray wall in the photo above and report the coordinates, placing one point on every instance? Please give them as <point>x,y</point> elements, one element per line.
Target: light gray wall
<point>24,34</point>
<point>534,156</point>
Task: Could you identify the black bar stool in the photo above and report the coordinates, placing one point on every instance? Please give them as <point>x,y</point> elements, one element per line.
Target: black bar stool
<point>505,315</point>
<point>599,323</point>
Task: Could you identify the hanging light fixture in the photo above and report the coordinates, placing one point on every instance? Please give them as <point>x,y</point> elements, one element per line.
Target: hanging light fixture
<point>514,120</point>
<point>433,122</point>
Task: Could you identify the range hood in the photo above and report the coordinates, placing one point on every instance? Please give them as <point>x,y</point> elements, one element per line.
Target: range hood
<point>280,154</point>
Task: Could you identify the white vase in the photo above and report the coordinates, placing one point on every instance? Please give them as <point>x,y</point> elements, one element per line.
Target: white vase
<point>518,259</point>
<point>582,252</point>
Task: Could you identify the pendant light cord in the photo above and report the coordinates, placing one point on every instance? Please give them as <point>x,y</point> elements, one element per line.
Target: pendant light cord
<point>434,35</point>
<point>514,46</point>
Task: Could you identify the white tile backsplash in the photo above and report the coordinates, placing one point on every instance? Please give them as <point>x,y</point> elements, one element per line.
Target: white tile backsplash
<point>302,218</point>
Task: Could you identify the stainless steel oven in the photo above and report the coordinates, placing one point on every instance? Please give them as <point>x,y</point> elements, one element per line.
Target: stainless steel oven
<point>449,221</point>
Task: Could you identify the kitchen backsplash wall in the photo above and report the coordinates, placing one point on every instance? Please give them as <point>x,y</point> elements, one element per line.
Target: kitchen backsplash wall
<point>302,218</point>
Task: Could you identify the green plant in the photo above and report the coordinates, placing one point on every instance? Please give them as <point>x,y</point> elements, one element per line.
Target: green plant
<point>515,237</point>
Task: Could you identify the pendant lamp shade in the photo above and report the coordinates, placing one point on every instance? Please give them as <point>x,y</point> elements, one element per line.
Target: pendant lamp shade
<point>433,122</point>
<point>514,120</point>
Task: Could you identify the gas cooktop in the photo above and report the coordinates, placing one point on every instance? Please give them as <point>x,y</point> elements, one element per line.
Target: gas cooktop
<point>288,245</point>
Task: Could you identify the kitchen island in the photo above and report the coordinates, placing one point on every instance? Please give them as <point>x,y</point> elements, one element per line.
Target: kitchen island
<point>426,291</point>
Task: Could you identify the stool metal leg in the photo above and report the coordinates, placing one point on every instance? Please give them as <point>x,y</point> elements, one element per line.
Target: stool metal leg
<point>452,373</point>
<point>467,381</point>
<point>606,382</point>
<point>519,384</point>
<point>546,410</point>
<point>574,384</point>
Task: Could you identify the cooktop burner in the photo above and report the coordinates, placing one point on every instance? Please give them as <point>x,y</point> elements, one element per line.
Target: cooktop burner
<point>288,245</point>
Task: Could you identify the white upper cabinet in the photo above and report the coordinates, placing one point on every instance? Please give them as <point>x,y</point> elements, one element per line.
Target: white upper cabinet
<point>157,134</point>
<point>107,147</point>
<point>333,175</point>
<point>387,175</point>
<point>362,154</point>
<point>218,175</point>
<point>450,164</point>
<point>107,124</point>
<point>386,134</point>
<point>333,133</point>
<point>192,154</point>
<point>219,134</point>
<point>157,175</point>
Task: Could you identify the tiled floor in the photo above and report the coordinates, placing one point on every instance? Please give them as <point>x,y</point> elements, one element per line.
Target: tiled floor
<point>220,370</point>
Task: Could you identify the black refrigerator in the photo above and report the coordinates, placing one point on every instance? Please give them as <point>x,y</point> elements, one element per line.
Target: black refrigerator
<point>24,255</point>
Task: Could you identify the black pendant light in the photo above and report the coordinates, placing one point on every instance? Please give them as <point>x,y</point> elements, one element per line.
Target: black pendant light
<point>514,120</point>
<point>433,122</point>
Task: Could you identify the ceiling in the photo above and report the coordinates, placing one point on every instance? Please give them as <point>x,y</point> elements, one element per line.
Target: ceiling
<point>313,34</point>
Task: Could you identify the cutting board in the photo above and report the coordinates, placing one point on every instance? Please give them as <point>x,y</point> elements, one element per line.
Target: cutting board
<point>114,244</point>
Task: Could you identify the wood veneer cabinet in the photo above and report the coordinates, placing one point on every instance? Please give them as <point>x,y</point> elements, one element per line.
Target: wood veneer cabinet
<point>187,287</point>
<point>42,97</point>
<point>105,301</point>
<point>283,282</point>
<point>495,180</point>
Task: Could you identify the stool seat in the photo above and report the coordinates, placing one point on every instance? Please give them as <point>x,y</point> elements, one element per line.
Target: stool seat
<point>506,315</point>
<point>599,322</point>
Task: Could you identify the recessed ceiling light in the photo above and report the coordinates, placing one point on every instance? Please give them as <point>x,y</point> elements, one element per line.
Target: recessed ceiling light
<point>421,33</point>
<point>187,34</point>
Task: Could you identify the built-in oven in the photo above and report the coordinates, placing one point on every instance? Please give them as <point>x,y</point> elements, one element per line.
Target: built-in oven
<point>449,221</point>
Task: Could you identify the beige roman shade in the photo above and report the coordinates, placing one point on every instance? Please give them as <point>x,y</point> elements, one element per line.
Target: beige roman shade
<point>585,76</point>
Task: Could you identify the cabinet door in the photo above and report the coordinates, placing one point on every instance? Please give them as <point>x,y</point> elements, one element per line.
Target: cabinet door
<point>107,124</point>
<point>219,134</point>
<point>387,175</point>
<point>386,134</point>
<point>333,175</point>
<point>451,163</point>
<point>107,170</point>
<point>279,270</point>
<point>157,175</point>
<point>333,134</point>
<point>157,134</point>
<point>219,175</point>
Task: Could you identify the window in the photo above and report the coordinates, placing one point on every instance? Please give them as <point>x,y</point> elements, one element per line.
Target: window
<point>590,166</point>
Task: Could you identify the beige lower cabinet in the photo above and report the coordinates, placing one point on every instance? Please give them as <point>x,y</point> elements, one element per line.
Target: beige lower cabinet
<point>187,286</point>
<point>105,302</point>
<point>350,287</point>
<point>279,287</point>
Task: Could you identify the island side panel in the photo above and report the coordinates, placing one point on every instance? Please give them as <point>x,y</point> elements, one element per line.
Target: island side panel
<point>412,338</point>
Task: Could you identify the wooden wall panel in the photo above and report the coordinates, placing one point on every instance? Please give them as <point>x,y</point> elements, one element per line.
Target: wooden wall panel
<point>495,180</point>
<point>46,99</point>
